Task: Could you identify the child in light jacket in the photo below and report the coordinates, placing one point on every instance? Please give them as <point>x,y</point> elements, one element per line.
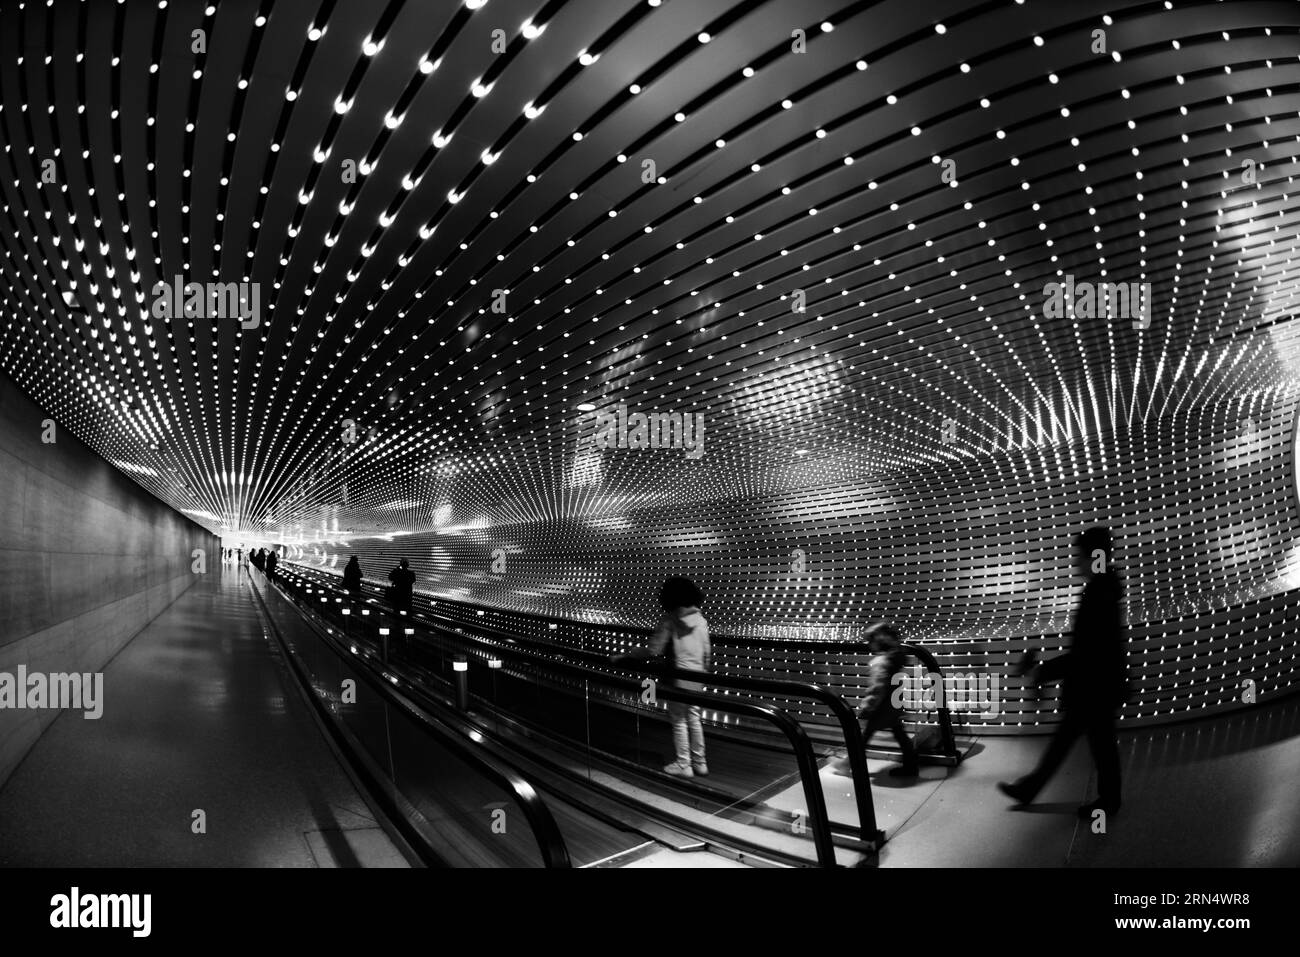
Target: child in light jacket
<point>682,639</point>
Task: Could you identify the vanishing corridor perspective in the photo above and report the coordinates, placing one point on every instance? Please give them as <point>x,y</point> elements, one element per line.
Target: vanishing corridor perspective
<point>401,397</point>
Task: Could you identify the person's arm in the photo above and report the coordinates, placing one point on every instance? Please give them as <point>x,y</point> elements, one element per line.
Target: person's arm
<point>658,642</point>
<point>878,689</point>
<point>1053,669</point>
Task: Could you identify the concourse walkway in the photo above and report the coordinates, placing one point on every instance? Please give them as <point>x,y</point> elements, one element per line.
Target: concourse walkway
<point>200,715</point>
<point>1218,792</point>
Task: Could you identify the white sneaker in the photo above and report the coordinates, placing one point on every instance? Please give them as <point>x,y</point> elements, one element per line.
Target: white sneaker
<point>701,770</point>
<point>678,769</point>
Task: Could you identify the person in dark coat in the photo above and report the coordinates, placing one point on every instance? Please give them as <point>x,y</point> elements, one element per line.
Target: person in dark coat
<point>1093,679</point>
<point>403,579</point>
<point>271,561</point>
<point>878,712</point>
<point>352,577</point>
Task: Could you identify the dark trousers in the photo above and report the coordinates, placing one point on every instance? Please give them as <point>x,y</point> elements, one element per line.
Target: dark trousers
<point>1099,728</point>
<point>883,719</point>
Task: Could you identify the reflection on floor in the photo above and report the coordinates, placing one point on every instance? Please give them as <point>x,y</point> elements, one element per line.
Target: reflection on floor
<point>1214,793</point>
<point>650,854</point>
<point>667,858</point>
<point>200,715</point>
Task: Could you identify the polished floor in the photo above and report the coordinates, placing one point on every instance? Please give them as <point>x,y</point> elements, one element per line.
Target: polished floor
<point>206,755</point>
<point>1220,792</point>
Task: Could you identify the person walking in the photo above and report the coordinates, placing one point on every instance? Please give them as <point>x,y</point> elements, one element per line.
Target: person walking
<point>1093,679</point>
<point>878,712</point>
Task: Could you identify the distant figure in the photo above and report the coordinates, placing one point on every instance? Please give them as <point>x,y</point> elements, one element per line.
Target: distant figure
<point>1092,676</point>
<point>878,712</point>
<point>352,577</point>
<point>399,593</point>
<point>682,640</point>
<point>271,561</point>
<point>240,552</point>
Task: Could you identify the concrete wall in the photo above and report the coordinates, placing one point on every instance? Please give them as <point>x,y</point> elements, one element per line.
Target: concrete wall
<point>87,559</point>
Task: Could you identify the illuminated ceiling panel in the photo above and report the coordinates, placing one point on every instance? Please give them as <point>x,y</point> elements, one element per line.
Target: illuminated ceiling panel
<point>423,235</point>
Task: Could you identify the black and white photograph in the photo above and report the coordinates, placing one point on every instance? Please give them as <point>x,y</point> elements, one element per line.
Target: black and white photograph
<point>712,436</point>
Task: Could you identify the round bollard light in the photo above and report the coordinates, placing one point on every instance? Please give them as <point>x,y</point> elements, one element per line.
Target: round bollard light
<point>461,667</point>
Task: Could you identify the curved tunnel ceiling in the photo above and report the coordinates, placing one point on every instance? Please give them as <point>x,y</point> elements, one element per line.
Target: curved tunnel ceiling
<point>826,227</point>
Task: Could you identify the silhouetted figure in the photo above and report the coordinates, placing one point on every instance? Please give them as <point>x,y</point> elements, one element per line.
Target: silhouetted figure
<point>682,641</point>
<point>271,561</point>
<point>352,577</point>
<point>878,712</point>
<point>1092,676</point>
<point>399,593</point>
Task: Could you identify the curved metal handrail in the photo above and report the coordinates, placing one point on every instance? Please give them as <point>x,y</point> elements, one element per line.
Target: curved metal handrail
<point>550,841</point>
<point>851,729</point>
<point>949,742</point>
<point>805,759</point>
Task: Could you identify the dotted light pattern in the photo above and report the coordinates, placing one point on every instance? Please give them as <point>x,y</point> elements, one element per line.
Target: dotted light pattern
<point>836,256</point>
<point>1177,668</point>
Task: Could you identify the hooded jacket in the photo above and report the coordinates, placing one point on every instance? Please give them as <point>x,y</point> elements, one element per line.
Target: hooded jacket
<point>682,637</point>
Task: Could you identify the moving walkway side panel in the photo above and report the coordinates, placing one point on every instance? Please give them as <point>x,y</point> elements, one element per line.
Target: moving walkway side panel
<point>766,692</point>
<point>456,805</point>
<point>319,597</point>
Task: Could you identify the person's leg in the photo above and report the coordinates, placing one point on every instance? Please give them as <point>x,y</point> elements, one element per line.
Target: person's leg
<point>886,718</point>
<point>904,744</point>
<point>872,721</point>
<point>695,725</point>
<point>1027,788</point>
<point>882,719</point>
<point>678,712</point>
<point>1105,755</point>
